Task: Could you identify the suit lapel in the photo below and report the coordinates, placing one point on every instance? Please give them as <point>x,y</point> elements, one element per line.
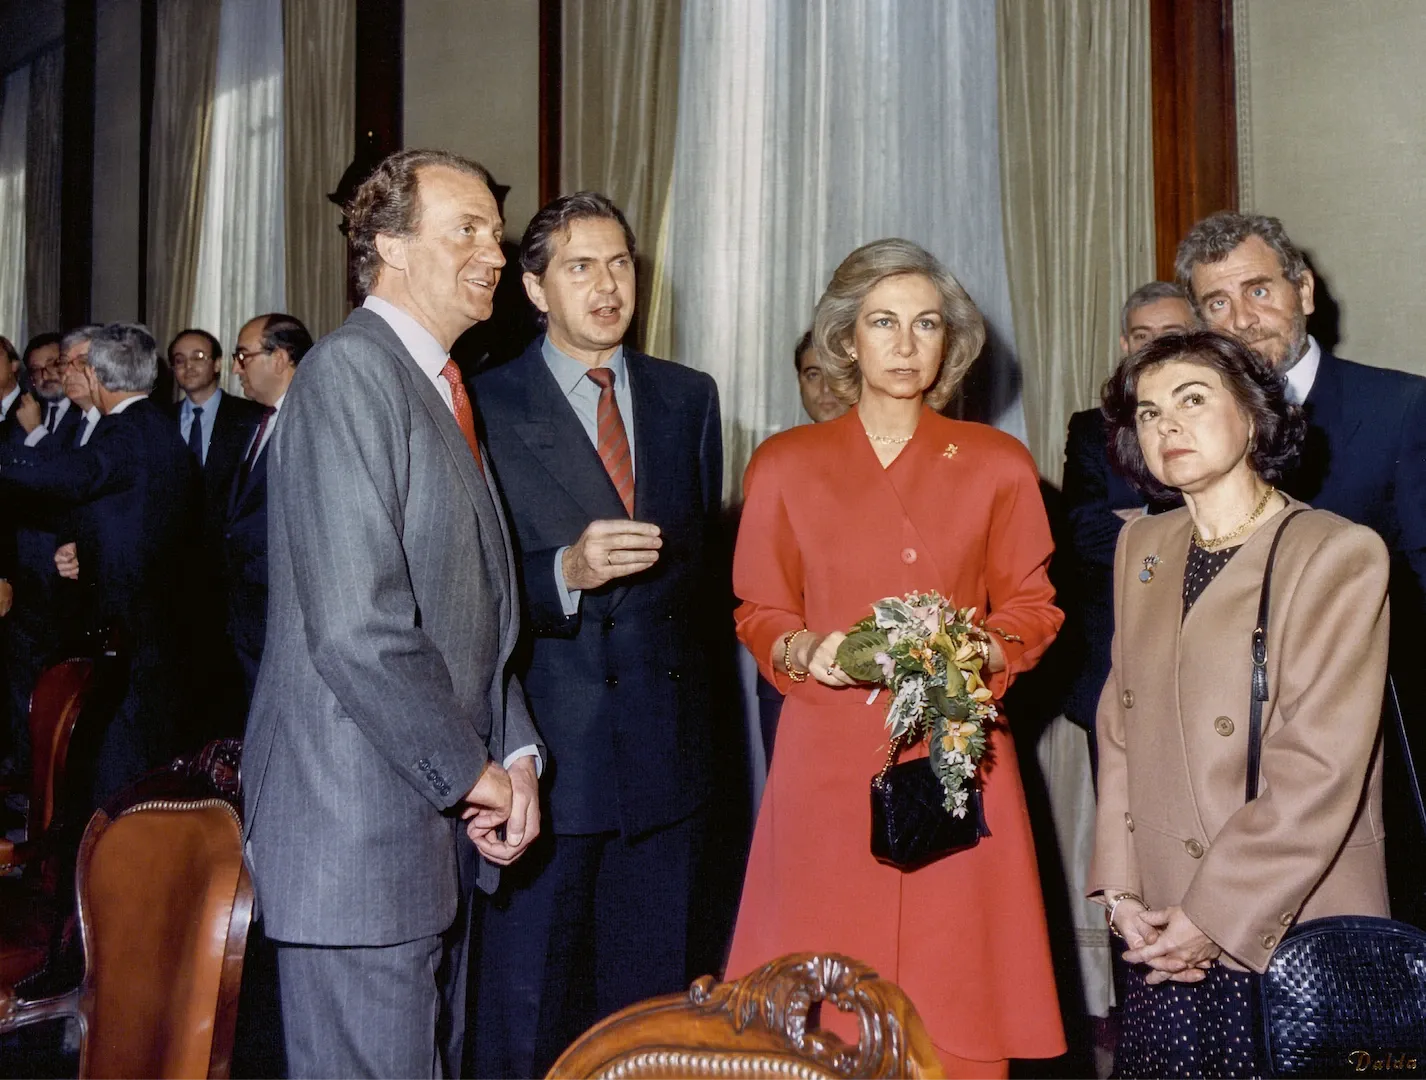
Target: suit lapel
<point>556,439</point>
<point>1324,401</point>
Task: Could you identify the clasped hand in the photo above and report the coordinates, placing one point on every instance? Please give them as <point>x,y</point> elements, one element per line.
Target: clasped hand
<point>1167,941</point>
<point>509,798</point>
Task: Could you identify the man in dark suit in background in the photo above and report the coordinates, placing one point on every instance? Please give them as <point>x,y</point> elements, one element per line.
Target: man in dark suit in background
<point>1364,457</point>
<point>133,489</point>
<point>41,618</point>
<point>266,356</point>
<point>1097,502</point>
<point>611,467</point>
<point>9,377</point>
<point>385,709</point>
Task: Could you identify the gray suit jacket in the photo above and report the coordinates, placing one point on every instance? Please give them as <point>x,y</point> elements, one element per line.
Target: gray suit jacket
<point>384,688</point>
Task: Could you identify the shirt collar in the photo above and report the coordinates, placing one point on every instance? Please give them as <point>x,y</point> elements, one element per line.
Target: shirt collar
<point>188,406</point>
<point>419,341</point>
<point>117,409</point>
<point>8,400</point>
<point>570,373</point>
<point>277,405</point>
<point>92,414</point>
<point>1303,374</point>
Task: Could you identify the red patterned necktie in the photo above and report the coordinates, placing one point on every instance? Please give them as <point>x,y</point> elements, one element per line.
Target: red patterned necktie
<point>460,405</point>
<point>613,439</point>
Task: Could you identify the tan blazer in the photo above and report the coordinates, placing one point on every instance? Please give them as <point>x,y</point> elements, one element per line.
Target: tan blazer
<point>1173,725</point>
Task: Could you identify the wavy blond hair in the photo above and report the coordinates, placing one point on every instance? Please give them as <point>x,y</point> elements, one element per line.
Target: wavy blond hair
<point>861,272</point>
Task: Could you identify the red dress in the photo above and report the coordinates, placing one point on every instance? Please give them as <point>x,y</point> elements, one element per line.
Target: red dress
<point>825,531</point>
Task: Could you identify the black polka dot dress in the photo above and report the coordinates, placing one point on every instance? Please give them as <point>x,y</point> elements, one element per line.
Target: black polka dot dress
<point>1189,1029</point>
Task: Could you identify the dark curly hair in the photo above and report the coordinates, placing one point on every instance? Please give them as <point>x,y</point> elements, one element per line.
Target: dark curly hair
<point>1278,426</point>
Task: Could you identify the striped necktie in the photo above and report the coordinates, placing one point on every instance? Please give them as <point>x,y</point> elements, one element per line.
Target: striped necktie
<point>460,405</point>
<point>613,439</point>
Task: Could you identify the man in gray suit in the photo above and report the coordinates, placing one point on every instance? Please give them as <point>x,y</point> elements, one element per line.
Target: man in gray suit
<point>391,764</point>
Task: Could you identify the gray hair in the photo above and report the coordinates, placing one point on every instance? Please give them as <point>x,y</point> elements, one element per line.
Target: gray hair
<point>1215,237</point>
<point>124,357</point>
<point>862,271</point>
<point>1144,295</point>
<point>78,336</point>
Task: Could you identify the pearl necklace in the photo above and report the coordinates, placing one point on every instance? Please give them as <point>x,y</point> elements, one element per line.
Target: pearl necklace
<point>891,440</point>
<point>1219,541</point>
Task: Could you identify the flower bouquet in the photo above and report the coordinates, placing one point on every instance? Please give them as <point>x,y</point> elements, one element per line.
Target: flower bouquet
<point>930,655</point>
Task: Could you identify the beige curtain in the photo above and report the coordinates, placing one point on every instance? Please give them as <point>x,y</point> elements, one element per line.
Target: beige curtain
<point>319,106</point>
<point>618,113</point>
<point>185,65</point>
<point>43,153</point>
<point>1077,187</point>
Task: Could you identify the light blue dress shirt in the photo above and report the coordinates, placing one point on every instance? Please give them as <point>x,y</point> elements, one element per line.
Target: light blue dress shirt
<point>582,393</point>
<point>205,418</point>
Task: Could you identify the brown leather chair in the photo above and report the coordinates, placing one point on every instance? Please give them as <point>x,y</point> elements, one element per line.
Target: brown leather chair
<point>30,912</point>
<point>763,1025</point>
<point>164,907</point>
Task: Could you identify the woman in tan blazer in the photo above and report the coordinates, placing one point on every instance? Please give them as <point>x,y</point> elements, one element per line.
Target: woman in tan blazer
<point>1199,885</point>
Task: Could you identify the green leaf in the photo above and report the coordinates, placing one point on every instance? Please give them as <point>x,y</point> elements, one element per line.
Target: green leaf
<point>856,655</point>
<point>939,700</point>
<point>955,681</point>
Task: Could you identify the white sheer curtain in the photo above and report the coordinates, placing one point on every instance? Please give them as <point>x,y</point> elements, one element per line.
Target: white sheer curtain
<point>807,128</point>
<point>14,109</point>
<point>241,248</point>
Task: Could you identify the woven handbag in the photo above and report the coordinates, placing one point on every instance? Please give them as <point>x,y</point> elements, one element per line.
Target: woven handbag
<point>910,825</point>
<point>1344,994</point>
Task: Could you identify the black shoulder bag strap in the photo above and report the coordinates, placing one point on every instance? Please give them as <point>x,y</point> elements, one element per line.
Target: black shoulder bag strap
<point>1260,669</point>
<point>1260,695</point>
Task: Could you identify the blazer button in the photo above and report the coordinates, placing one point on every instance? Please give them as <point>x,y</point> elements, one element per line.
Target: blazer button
<point>1269,941</point>
<point>908,555</point>
<point>1129,822</point>
<point>1127,699</point>
<point>1194,849</point>
<point>609,623</point>
<point>674,676</point>
<point>613,680</point>
<point>1287,918</point>
<point>1223,725</point>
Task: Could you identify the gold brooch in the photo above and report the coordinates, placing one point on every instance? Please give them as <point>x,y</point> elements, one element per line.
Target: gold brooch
<point>950,451</point>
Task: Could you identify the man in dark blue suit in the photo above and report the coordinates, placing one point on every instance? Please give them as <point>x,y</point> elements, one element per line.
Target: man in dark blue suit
<point>133,490</point>
<point>266,357</point>
<point>1365,453</point>
<point>1097,503</point>
<point>42,615</point>
<point>610,463</point>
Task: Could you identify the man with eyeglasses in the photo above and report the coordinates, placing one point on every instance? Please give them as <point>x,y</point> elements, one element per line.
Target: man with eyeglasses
<point>269,349</point>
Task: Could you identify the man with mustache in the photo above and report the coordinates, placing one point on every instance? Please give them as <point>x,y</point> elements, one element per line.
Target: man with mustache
<point>611,466</point>
<point>1365,453</point>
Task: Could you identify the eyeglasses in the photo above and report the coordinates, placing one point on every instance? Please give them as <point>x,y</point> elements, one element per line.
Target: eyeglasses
<point>58,367</point>
<point>242,356</point>
<point>179,359</point>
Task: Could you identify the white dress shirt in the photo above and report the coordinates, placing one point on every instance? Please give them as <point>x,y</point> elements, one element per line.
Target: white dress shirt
<point>430,357</point>
<point>92,416</point>
<point>117,409</point>
<point>1303,374</point>
<point>8,401</point>
<point>37,436</point>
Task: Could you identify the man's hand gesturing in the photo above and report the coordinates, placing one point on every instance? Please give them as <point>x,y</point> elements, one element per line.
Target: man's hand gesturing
<point>610,549</point>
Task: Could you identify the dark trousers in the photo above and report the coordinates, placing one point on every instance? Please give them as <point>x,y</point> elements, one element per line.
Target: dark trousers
<point>582,927</point>
<point>26,653</point>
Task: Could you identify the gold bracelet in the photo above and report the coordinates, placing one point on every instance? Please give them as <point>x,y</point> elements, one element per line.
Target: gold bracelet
<point>1114,905</point>
<point>793,673</point>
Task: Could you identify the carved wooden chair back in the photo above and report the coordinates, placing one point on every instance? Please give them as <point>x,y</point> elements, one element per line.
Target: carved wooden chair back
<point>763,1025</point>
<point>164,908</point>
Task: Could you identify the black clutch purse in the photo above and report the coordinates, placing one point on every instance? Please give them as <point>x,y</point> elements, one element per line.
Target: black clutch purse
<point>1344,994</point>
<point>910,825</point>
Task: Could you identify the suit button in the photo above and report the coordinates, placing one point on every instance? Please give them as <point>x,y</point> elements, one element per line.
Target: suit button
<point>609,624</point>
<point>1269,941</point>
<point>1224,726</point>
<point>1127,699</point>
<point>1194,849</point>
<point>674,676</point>
<point>613,680</point>
<point>1129,822</point>
<point>1286,919</point>
<point>908,555</point>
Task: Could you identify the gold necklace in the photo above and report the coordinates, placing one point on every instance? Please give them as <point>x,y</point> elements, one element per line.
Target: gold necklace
<point>890,440</point>
<point>1219,541</point>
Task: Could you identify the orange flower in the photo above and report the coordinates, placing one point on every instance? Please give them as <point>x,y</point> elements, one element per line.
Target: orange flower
<point>958,736</point>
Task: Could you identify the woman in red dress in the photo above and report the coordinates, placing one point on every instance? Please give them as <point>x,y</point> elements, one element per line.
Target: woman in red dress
<point>888,499</point>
